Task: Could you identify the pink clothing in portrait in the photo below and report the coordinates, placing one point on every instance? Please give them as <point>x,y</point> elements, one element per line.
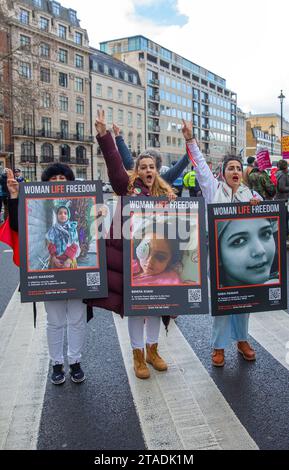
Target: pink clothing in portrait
<point>170,278</point>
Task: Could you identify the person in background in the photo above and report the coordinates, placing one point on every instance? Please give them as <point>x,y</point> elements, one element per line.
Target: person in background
<point>18,176</point>
<point>167,174</point>
<point>4,193</point>
<point>260,182</point>
<point>282,191</point>
<point>190,181</point>
<point>178,182</point>
<point>250,166</point>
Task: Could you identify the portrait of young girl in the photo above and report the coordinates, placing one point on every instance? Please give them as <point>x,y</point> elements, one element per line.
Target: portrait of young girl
<point>247,252</point>
<point>62,240</point>
<point>160,258</point>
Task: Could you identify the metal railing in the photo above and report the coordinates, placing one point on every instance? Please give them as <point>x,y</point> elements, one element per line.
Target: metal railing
<point>55,135</point>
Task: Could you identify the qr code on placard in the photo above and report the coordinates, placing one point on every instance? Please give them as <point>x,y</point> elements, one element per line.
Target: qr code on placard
<point>92,279</point>
<point>195,295</point>
<point>275,293</point>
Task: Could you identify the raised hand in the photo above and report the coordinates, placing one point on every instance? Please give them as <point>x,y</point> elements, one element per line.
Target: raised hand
<point>100,124</point>
<point>116,130</point>
<point>12,184</point>
<point>187,130</point>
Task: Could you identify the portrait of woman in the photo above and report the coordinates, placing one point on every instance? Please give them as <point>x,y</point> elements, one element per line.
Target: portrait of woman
<point>247,252</point>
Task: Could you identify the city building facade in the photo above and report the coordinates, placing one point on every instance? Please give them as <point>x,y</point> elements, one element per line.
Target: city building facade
<point>116,89</point>
<point>264,130</point>
<point>257,139</point>
<point>177,89</point>
<point>49,53</point>
<point>241,133</point>
<point>6,146</point>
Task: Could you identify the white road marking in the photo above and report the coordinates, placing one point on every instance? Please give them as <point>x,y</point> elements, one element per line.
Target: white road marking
<point>24,365</point>
<point>271,330</point>
<point>181,408</point>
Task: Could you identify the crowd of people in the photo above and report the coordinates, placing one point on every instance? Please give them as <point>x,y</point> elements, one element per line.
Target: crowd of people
<point>153,256</point>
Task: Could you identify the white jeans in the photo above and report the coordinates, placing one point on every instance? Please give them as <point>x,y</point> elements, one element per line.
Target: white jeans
<point>62,313</point>
<point>136,331</point>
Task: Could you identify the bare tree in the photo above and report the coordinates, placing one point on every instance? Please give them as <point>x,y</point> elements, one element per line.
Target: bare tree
<point>22,84</point>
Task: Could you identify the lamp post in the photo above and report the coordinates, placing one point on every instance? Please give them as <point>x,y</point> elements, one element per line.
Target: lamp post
<point>272,128</point>
<point>281,97</point>
<point>34,144</point>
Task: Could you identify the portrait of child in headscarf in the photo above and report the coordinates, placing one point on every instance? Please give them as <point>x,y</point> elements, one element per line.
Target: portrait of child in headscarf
<point>62,239</point>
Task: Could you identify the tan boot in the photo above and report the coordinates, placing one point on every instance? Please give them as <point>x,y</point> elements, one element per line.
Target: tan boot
<point>140,368</point>
<point>154,358</point>
<point>246,350</point>
<point>218,357</point>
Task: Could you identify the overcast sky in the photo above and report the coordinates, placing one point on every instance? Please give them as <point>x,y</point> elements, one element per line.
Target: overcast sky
<point>243,41</point>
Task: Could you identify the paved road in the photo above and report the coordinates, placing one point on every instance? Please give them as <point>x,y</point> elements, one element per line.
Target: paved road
<point>192,406</point>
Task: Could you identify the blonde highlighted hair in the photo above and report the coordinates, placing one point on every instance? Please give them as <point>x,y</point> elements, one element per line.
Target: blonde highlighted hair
<point>160,187</point>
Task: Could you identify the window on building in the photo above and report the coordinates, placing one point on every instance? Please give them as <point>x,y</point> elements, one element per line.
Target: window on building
<point>138,100</point>
<point>129,119</point>
<point>78,38</point>
<point>27,124</point>
<point>25,42</point>
<point>23,16</point>
<point>44,50</point>
<point>56,8</point>
<point>79,106</point>
<point>79,84</point>
<point>44,75</point>
<point>25,70</point>
<point>120,117</point>
<point>38,3</point>
<point>138,121</point>
<point>27,149</point>
<point>98,89</point>
<point>80,131</point>
<point>46,100</point>
<point>63,56</point>
<point>129,97</point>
<point>63,103</point>
<point>46,126</point>
<point>81,173</point>
<point>139,144</point>
<point>47,153</point>
<point>63,79</point>
<point>73,16</point>
<point>119,95</point>
<point>109,93</point>
<point>64,129</point>
<point>80,152</point>
<point>43,23</point>
<point>129,141</point>
<point>64,153</point>
<point>62,31</point>
<point>109,115</point>
<point>79,61</point>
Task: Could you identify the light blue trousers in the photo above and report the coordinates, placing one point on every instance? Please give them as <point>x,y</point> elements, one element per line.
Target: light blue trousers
<point>229,328</point>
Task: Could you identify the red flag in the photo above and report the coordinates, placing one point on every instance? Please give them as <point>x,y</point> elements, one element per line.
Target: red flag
<point>191,156</point>
<point>10,238</point>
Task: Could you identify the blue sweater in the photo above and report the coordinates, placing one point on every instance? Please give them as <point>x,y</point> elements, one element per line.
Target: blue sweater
<point>170,176</point>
